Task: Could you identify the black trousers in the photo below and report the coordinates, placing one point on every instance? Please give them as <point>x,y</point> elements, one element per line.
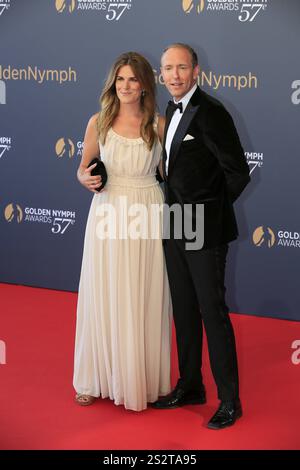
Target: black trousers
<point>198,295</point>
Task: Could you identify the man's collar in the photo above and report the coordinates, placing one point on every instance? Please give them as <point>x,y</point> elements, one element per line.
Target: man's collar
<point>186,98</point>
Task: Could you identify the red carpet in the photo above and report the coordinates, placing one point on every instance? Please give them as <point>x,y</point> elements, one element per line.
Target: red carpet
<point>37,410</point>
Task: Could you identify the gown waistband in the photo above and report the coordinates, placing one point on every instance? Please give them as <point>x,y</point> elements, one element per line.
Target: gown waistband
<point>132,181</point>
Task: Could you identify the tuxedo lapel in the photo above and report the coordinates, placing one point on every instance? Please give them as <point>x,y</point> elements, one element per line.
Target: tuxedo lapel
<point>169,114</point>
<point>183,125</point>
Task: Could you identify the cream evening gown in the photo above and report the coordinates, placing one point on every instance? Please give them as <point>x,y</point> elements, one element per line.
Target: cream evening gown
<point>122,346</point>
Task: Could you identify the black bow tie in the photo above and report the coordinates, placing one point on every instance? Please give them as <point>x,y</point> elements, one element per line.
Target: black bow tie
<point>175,106</point>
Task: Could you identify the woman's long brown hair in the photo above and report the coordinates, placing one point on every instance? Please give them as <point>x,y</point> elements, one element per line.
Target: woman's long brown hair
<point>110,103</point>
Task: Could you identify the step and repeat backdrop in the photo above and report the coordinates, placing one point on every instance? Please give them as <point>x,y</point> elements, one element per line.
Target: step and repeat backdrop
<point>54,57</point>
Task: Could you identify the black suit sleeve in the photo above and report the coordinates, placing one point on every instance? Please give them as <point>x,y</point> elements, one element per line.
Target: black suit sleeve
<point>223,141</point>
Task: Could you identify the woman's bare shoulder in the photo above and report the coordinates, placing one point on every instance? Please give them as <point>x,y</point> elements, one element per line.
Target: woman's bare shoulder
<point>93,120</point>
<point>161,126</point>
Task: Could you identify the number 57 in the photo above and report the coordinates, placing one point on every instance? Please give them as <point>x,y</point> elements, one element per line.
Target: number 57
<point>113,9</point>
<point>246,9</point>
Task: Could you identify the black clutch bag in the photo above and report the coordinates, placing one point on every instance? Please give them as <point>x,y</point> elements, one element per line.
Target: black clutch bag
<point>99,170</point>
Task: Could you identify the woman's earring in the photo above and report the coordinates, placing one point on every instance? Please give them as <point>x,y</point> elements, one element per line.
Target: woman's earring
<point>143,93</point>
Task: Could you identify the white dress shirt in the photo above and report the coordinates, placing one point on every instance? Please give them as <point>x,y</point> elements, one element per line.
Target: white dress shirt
<point>175,121</point>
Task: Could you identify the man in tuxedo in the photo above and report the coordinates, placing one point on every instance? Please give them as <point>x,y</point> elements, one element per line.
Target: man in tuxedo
<point>204,164</point>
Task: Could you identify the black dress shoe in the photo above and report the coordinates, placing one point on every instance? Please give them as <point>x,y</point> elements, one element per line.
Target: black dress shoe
<point>178,397</point>
<point>226,415</point>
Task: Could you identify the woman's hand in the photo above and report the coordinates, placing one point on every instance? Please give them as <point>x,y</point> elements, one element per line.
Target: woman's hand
<point>87,180</point>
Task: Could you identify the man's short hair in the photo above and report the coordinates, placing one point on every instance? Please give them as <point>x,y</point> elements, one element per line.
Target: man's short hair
<point>181,45</point>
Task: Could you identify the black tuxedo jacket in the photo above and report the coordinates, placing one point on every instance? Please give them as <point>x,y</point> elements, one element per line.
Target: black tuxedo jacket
<point>210,169</point>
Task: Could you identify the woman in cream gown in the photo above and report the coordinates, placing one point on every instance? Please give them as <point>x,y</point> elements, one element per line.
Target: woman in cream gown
<point>122,347</point>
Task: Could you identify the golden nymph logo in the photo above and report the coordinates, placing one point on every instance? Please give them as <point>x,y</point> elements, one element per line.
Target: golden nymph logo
<point>63,147</point>
<point>13,212</point>
<point>188,5</point>
<point>65,5</point>
<point>263,236</point>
